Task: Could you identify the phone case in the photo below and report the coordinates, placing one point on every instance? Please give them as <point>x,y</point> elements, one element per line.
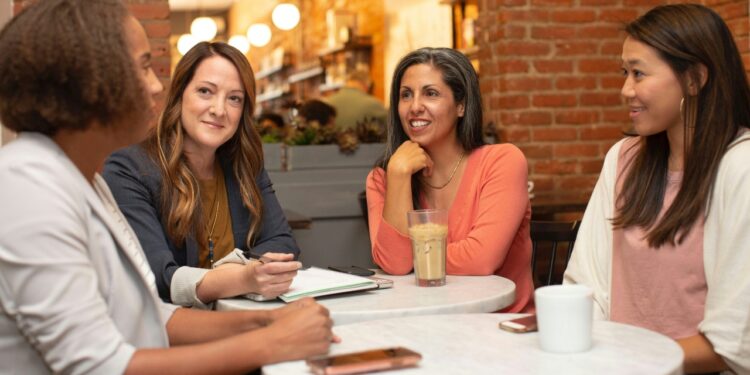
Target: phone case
<point>519,325</point>
<point>367,361</point>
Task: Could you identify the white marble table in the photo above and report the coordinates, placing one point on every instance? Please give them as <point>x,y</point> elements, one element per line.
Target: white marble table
<point>460,294</point>
<point>473,344</point>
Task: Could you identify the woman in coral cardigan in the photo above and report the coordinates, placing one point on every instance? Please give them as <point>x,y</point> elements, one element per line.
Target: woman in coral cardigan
<point>436,158</point>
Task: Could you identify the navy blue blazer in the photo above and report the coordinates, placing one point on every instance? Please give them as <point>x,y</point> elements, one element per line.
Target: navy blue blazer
<point>135,182</point>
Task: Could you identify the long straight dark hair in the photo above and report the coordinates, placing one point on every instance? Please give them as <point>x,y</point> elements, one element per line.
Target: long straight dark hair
<point>460,76</point>
<point>686,36</point>
<point>180,195</point>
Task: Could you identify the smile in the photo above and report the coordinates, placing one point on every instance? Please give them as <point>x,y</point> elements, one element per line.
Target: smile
<point>418,123</point>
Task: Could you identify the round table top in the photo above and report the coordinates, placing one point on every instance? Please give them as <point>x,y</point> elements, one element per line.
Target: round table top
<point>460,294</point>
<point>473,344</point>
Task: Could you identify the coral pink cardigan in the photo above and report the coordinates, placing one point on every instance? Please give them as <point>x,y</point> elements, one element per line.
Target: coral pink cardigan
<point>488,223</point>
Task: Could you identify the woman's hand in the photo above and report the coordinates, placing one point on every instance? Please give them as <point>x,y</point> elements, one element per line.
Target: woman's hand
<point>301,329</point>
<point>408,159</point>
<point>270,279</point>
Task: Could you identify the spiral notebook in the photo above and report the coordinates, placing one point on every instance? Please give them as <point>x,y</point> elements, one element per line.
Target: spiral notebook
<point>316,282</point>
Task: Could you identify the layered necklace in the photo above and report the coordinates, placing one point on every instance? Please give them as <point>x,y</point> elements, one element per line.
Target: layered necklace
<point>450,178</point>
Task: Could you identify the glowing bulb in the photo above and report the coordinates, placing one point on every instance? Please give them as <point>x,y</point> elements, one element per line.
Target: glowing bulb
<point>186,42</point>
<point>285,16</point>
<point>204,28</point>
<point>259,34</point>
<point>240,42</point>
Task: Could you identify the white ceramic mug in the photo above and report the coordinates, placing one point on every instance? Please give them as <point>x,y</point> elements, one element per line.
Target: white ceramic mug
<point>564,317</point>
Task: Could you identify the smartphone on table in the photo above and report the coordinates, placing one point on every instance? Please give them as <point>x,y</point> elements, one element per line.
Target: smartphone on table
<point>520,325</point>
<point>353,270</point>
<point>366,361</point>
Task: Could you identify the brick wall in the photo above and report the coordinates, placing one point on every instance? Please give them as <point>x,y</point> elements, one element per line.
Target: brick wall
<point>551,83</point>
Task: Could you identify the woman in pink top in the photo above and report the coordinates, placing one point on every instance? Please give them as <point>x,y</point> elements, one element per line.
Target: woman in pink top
<point>664,240</point>
<point>436,158</point>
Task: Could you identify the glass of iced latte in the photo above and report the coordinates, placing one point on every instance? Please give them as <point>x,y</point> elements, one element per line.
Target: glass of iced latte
<point>428,230</point>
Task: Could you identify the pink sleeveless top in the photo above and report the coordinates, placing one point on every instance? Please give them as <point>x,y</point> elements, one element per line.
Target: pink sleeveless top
<point>662,289</point>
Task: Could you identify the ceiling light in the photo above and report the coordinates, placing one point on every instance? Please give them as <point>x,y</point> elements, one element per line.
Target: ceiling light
<point>186,42</point>
<point>240,42</point>
<point>285,16</point>
<point>204,28</point>
<point>259,34</point>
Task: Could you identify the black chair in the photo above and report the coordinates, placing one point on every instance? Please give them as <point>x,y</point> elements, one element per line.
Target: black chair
<point>551,233</point>
<point>362,197</point>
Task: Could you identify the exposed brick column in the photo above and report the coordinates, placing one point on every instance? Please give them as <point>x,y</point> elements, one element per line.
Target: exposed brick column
<point>551,83</point>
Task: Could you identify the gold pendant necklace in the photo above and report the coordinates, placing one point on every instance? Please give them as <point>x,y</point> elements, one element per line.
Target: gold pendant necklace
<point>211,243</point>
<point>453,173</point>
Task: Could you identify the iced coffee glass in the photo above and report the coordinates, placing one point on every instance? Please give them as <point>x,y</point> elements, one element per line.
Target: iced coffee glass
<point>428,230</point>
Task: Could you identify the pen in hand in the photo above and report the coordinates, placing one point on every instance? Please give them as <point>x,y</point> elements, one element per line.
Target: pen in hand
<point>263,259</point>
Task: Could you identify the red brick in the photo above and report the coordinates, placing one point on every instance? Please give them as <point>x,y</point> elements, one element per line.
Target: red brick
<point>600,32</point>
<point>618,15</point>
<point>161,66</point>
<point>150,11</point>
<point>743,44</point>
<point>159,48</point>
<point>512,66</point>
<point>601,99</point>
<point>542,183</point>
<point>576,48</point>
<point>552,2</point>
<point>596,2</point>
<point>576,182</point>
<point>601,132</point>
<point>526,118</point>
<point>524,84</point>
<point>553,32</point>
<point>511,102</point>
<point>616,115</point>
<point>733,10</point>
<point>647,3</point>
<point>516,48</point>
<point>509,32</point>
<point>554,134</point>
<point>612,48</point>
<point>572,83</point>
<point>575,149</point>
<point>555,166</point>
<point>576,117</point>
<point>536,151</point>
<point>612,82</point>
<point>157,29</point>
<point>515,134</point>
<point>553,66</point>
<point>554,100</point>
<point>591,166</point>
<point>511,2</point>
<point>522,16</point>
<point>738,26</point>
<point>573,16</point>
<point>598,66</point>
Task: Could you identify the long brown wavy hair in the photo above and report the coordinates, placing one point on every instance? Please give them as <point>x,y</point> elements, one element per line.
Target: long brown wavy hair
<point>180,194</point>
<point>686,36</point>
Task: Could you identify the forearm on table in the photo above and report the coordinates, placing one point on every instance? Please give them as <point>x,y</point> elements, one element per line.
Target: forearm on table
<point>192,326</point>
<point>398,201</point>
<point>236,354</point>
<point>700,356</point>
<point>226,281</point>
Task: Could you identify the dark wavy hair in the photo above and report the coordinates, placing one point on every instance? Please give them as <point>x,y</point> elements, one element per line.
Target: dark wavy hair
<point>460,76</point>
<point>65,64</point>
<point>686,37</point>
<point>180,196</point>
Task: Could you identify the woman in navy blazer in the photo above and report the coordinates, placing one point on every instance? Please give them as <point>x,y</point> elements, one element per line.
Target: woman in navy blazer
<point>196,192</point>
